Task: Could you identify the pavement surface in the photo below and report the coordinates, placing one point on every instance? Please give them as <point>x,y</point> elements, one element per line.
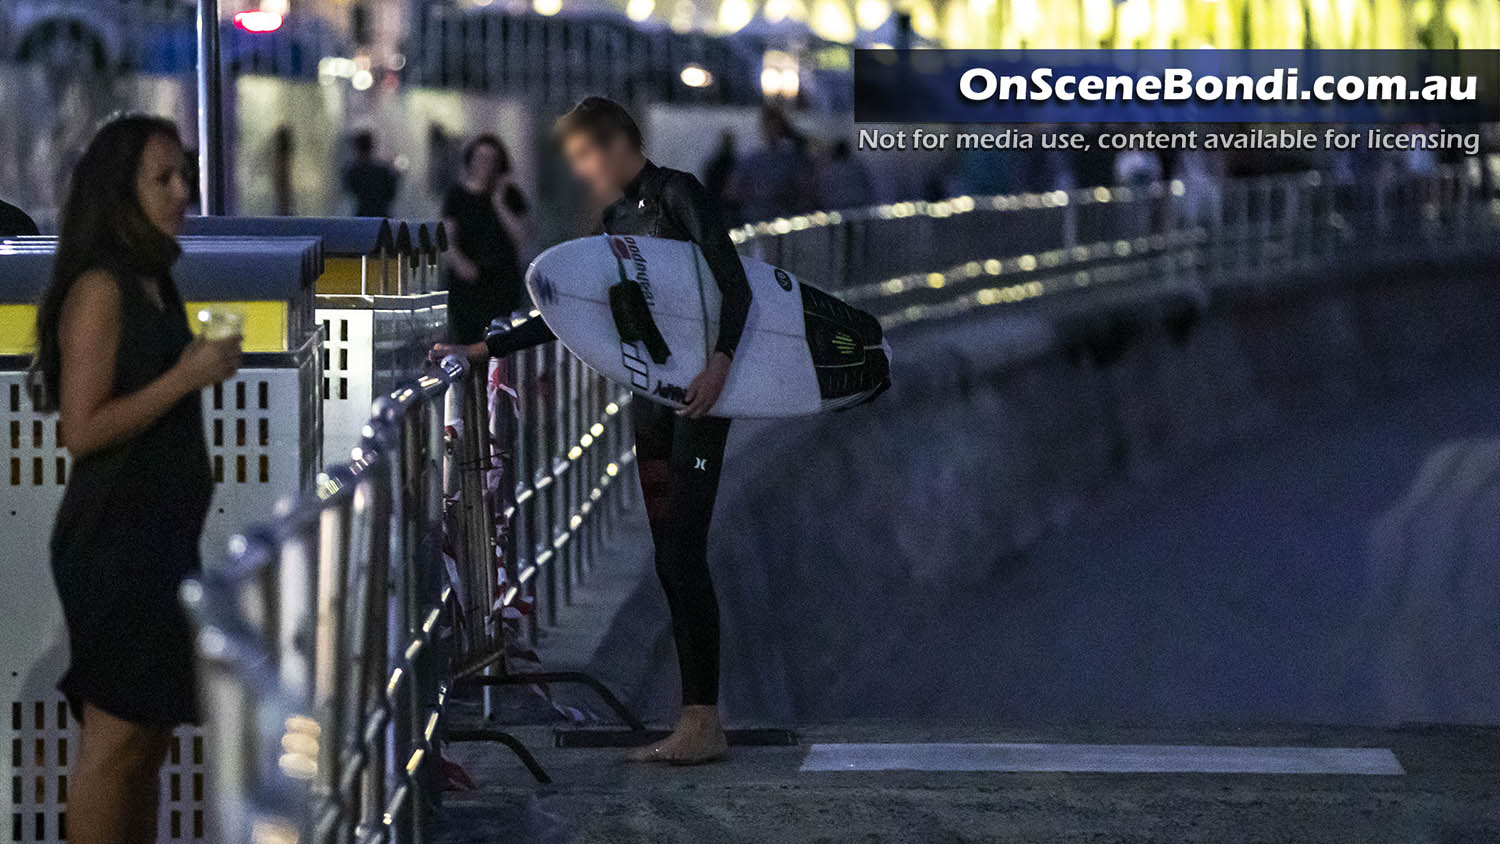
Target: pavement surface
<point>1449,794</point>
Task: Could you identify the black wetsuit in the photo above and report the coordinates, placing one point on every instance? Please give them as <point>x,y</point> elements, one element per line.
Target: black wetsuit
<point>678,459</point>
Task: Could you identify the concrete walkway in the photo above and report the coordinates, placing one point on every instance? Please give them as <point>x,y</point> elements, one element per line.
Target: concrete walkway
<point>1447,795</point>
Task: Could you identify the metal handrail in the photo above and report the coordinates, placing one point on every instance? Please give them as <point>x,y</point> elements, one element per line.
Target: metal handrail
<point>317,635</point>
<point>918,262</point>
<point>315,641</point>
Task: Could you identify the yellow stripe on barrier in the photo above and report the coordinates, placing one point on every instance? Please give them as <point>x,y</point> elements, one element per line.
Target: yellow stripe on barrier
<point>265,325</point>
<point>343,276</point>
<point>17,329</point>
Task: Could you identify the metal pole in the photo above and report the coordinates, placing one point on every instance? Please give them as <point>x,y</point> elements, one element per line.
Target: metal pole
<point>210,111</point>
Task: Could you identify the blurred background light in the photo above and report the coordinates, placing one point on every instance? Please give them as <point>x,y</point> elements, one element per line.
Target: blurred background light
<point>924,20</point>
<point>734,15</point>
<point>872,13</point>
<point>258,20</point>
<point>831,20</point>
<point>695,76</point>
<point>777,11</point>
<point>639,10</point>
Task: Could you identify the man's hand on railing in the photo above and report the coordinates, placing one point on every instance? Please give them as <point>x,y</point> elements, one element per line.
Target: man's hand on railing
<point>473,351</point>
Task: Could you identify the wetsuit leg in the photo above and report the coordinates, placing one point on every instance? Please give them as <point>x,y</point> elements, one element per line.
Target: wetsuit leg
<point>679,461</point>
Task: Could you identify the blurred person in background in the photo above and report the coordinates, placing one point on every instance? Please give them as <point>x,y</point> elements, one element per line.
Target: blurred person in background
<point>14,222</point>
<point>844,181</point>
<point>679,452</point>
<point>489,222</point>
<point>115,357</point>
<point>717,172</point>
<point>370,181</point>
<point>442,160</point>
<point>283,153</point>
<point>1201,173</point>
<point>775,180</point>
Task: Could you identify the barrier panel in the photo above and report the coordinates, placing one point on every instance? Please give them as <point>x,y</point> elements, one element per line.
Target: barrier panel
<point>264,440</point>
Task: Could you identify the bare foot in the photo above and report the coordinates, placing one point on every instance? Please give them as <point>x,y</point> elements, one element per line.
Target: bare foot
<point>697,738</point>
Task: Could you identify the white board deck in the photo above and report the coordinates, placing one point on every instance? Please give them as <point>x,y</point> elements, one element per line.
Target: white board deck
<point>802,350</point>
<point>1103,759</point>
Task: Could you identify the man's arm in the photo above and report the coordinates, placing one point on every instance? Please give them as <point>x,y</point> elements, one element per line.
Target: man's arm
<point>532,332</point>
<point>498,344</point>
<point>687,201</point>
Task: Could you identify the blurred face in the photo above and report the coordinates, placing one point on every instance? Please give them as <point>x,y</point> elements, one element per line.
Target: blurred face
<point>604,166</point>
<point>161,185</point>
<point>483,163</point>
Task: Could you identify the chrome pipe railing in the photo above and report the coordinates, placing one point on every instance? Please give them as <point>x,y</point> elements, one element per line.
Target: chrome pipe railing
<point>916,262</point>
<point>560,446</point>
<point>317,636</point>
<point>316,641</point>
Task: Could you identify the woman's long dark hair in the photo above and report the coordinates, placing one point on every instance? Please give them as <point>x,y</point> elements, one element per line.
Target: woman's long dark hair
<point>102,226</point>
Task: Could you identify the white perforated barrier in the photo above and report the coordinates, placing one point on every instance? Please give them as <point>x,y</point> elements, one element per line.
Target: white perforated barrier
<point>370,344</point>
<point>264,439</point>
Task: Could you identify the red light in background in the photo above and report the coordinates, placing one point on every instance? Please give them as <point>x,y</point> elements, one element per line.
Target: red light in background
<point>257,20</point>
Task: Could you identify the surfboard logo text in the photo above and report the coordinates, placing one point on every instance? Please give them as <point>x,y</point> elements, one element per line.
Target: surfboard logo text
<point>545,292</point>
<point>636,365</point>
<point>633,254</point>
<point>670,392</point>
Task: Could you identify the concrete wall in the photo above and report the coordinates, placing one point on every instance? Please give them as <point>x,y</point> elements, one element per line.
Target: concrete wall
<point>922,555</point>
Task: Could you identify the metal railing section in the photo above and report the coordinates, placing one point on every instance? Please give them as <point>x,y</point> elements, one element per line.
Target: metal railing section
<point>915,262</point>
<point>318,637</point>
<point>570,441</point>
<point>316,642</point>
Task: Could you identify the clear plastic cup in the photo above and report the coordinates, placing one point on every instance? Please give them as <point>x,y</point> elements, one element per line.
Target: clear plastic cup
<point>220,323</point>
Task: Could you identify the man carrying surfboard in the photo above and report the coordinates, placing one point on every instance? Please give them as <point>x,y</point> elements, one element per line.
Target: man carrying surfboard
<point>679,453</point>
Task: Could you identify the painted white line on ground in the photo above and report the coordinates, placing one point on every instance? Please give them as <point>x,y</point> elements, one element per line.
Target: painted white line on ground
<point>1103,758</point>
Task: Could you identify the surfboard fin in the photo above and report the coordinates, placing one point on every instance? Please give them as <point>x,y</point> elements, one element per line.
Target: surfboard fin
<point>627,303</point>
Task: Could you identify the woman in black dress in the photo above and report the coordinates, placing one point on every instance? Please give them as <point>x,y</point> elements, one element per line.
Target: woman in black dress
<point>116,358</point>
<point>488,220</point>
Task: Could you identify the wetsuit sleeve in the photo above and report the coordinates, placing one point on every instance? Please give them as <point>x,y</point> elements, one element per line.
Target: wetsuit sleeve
<point>685,199</point>
<point>532,332</point>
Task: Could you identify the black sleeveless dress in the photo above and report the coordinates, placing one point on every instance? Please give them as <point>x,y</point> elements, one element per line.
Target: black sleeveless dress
<point>127,534</point>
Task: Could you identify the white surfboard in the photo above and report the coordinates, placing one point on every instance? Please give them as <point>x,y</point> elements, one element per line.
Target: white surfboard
<point>803,351</point>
